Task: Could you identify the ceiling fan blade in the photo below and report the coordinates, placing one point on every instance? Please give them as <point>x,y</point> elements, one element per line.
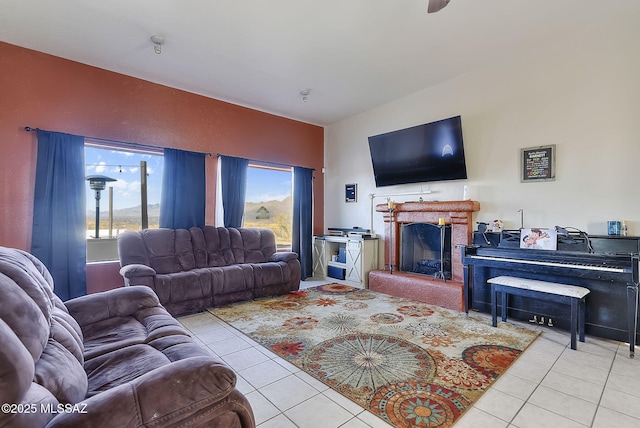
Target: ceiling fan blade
<point>436,5</point>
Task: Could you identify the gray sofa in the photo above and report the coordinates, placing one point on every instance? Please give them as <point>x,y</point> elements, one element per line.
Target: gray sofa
<point>112,359</point>
<point>201,267</point>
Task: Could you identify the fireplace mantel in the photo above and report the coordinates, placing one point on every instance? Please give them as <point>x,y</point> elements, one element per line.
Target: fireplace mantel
<point>454,212</point>
<point>437,206</point>
<point>459,214</point>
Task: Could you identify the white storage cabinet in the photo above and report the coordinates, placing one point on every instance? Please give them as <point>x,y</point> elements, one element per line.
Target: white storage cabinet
<point>345,257</point>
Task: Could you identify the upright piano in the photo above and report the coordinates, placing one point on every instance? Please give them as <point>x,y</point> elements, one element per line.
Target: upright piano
<point>611,306</point>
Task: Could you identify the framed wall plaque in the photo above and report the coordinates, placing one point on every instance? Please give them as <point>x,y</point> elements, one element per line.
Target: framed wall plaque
<point>538,164</point>
<point>350,192</point>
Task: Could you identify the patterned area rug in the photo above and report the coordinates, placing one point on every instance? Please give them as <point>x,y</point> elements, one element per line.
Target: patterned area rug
<point>412,364</point>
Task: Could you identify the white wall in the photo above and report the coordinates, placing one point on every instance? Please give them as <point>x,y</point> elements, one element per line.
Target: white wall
<point>581,93</point>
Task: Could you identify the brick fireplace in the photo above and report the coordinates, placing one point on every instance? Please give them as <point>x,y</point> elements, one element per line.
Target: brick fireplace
<point>435,291</point>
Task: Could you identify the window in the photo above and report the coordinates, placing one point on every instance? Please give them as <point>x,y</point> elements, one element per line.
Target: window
<point>268,202</point>
<point>124,166</point>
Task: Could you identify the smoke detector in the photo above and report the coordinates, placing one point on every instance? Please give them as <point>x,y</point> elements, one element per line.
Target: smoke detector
<point>157,41</point>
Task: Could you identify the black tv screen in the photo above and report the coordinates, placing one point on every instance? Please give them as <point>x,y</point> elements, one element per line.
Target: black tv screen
<point>430,152</point>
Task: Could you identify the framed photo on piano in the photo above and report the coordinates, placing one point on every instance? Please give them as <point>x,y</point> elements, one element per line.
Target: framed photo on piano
<point>538,164</point>
<point>539,239</point>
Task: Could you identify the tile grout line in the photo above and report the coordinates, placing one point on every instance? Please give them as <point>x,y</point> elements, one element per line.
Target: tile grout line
<point>604,387</point>
<point>511,422</point>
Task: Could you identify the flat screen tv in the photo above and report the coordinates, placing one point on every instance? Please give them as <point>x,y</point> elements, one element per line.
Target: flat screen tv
<point>430,152</point>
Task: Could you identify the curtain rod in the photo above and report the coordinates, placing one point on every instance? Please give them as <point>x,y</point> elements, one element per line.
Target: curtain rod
<point>105,140</point>
<point>283,165</point>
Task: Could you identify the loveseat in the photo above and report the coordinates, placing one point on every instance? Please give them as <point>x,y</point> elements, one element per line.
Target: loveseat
<point>202,267</point>
<point>112,359</point>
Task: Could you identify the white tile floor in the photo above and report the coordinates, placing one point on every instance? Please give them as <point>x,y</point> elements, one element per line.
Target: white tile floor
<point>550,385</point>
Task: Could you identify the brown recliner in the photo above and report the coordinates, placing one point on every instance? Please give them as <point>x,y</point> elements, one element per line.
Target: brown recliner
<point>112,359</point>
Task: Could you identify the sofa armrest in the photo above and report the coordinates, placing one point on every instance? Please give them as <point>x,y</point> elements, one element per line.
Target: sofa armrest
<point>283,257</point>
<point>196,389</point>
<point>136,270</point>
<point>113,303</point>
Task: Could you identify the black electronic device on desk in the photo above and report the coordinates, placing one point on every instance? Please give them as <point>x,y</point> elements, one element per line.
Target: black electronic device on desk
<point>353,232</point>
<point>612,305</point>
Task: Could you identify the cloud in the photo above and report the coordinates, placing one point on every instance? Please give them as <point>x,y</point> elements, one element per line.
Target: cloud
<point>101,167</point>
<point>121,184</point>
<point>127,154</point>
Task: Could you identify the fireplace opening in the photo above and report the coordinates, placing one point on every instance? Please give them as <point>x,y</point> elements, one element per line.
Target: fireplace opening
<point>425,249</point>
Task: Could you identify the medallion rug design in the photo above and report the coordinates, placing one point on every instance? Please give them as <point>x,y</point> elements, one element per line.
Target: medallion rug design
<point>412,364</point>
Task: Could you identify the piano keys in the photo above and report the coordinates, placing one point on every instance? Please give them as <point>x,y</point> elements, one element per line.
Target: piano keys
<point>612,305</point>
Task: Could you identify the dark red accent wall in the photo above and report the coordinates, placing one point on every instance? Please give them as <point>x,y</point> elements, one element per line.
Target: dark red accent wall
<point>52,93</point>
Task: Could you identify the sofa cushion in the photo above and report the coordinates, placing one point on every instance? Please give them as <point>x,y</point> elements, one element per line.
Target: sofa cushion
<point>61,373</point>
<point>200,251</point>
<point>169,250</point>
<point>111,334</point>
<point>66,331</point>
<point>121,366</point>
<point>258,245</point>
<point>177,347</point>
<point>232,279</point>
<point>23,316</point>
<point>119,302</point>
<point>184,286</point>
<point>16,366</point>
<point>193,392</point>
<point>41,322</point>
<point>160,325</point>
<point>215,246</point>
<point>166,342</point>
<point>221,246</point>
<point>142,327</point>
<point>16,382</point>
<point>165,250</point>
<point>271,273</point>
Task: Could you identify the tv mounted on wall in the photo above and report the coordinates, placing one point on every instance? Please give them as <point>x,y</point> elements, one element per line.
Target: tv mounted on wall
<point>430,152</point>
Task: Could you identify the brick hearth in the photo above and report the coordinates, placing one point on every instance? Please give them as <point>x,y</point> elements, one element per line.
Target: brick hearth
<point>449,294</point>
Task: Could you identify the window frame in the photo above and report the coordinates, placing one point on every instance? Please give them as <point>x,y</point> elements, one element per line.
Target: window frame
<point>104,249</point>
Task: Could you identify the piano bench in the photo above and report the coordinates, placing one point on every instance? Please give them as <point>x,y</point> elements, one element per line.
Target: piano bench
<point>551,291</point>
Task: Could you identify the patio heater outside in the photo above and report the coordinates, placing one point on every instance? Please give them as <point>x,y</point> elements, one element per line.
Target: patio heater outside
<point>98,183</point>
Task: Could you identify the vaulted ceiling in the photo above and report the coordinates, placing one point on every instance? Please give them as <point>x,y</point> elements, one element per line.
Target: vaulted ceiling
<point>352,55</point>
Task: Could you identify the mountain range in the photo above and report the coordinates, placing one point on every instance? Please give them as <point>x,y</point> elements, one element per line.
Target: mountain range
<point>132,214</point>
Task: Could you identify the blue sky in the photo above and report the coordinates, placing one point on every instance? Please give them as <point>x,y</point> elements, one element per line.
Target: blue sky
<point>125,168</point>
<point>268,185</point>
<point>262,184</point>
